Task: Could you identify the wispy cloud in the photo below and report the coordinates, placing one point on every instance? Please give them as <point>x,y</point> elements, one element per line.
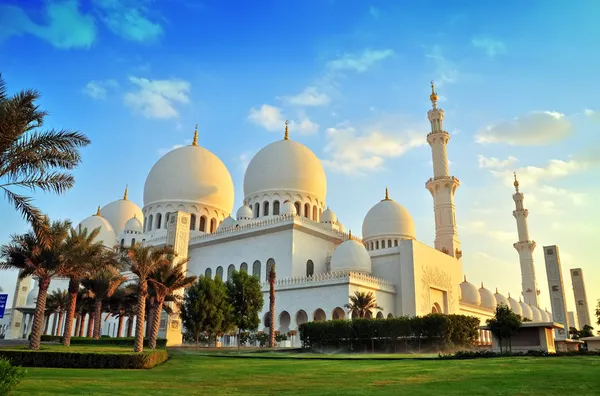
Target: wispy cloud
<point>311,96</point>
<point>490,46</point>
<point>272,119</point>
<point>98,89</point>
<point>129,19</point>
<point>359,62</point>
<point>374,12</point>
<point>446,71</point>
<point>495,163</point>
<point>157,98</point>
<point>532,129</point>
<point>482,228</point>
<point>532,175</point>
<point>577,198</point>
<point>593,114</point>
<point>65,26</point>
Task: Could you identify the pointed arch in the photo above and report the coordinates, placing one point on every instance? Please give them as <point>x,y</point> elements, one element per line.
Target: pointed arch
<point>256,269</point>
<point>213,225</point>
<point>244,267</point>
<point>266,208</point>
<point>230,270</point>
<point>310,268</point>
<point>219,273</point>
<point>193,222</point>
<point>208,273</point>
<point>150,219</point>
<point>202,226</point>
<point>276,208</point>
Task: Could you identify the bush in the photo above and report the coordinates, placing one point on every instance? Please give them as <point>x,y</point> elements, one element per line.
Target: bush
<point>59,359</point>
<point>532,353</point>
<point>10,376</point>
<point>122,341</point>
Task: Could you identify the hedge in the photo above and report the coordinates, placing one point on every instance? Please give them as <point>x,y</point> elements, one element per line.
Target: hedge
<point>460,355</point>
<point>435,331</point>
<point>127,341</point>
<point>59,359</point>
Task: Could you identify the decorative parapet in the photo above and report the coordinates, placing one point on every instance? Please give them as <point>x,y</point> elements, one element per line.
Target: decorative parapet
<point>334,277</point>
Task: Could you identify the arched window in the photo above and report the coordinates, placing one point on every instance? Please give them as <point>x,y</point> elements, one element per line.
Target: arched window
<point>298,211</point>
<point>123,242</point>
<point>376,244</point>
<point>256,269</point>
<point>270,264</point>
<point>310,268</point>
<point>219,272</point>
<point>256,209</point>
<point>192,222</point>
<point>213,225</point>
<point>275,208</point>
<point>158,221</point>
<point>371,245</point>
<point>395,242</point>
<point>230,270</point>
<point>314,217</point>
<point>132,242</point>
<point>389,243</point>
<point>208,273</point>
<point>145,223</point>
<point>150,223</point>
<point>307,210</point>
<point>266,208</point>
<point>244,267</point>
<point>143,240</point>
<point>202,224</point>
<point>167,220</point>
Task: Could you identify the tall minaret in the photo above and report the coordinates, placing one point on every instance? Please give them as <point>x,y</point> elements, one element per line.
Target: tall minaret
<point>442,186</point>
<point>525,248</point>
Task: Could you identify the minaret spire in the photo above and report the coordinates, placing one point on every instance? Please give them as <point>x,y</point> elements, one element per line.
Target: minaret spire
<point>287,134</point>
<point>126,192</point>
<point>98,211</point>
<point>387,196</point>
<point>195,141</point>
<point>442,186</point>
<point>525,248</point>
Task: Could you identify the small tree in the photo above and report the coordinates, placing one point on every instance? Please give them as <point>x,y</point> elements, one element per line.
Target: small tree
<point>361,304</point>
<point>272,278</point>
<point>504,325</point>
<point>246,299</point>
<point>586,331</point>
<point>575,334</point>
<point>598,313</point>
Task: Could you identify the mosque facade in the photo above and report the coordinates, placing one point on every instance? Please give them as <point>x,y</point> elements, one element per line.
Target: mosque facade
<point>284,221</point>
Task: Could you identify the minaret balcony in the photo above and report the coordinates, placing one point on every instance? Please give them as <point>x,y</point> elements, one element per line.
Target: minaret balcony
<point>436,134</point>
<point>521,212</point>
<point>435,183</point>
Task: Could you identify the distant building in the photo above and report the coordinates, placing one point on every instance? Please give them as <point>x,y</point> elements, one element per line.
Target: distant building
<point>581,303</point>
<point>572,318</point>
<point>556,289</point>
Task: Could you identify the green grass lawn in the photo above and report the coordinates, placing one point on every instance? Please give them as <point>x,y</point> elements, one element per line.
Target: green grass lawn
<point>191,373</point>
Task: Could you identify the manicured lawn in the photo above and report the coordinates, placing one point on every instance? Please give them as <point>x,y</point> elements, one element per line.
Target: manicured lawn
<point>191,373</point>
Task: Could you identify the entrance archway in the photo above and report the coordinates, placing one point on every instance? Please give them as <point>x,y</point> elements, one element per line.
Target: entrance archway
<point>319,315</point>
<point>338,314</point>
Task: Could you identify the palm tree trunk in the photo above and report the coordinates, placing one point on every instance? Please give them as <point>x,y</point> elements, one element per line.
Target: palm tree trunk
<point>272,312</point>
<point>90,329</point>
<point>138,345</point>
<point>73,289</point>
<point>82,324</point>
<point>46,324</point>
<point>40,309</point>
<point>155,325</point>
<point>149,319</point>
<point>120,327</point>
<point>98,316</point>
<point>61,315</point>
<point>77,325</point>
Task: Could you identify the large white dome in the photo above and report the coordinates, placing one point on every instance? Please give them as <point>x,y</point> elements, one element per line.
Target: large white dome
<point>107,234</point>
<point>351,255</point>
<point>190,174</point>
<point>487,298</point>
<point>388,219</point>
<point>119,212</point>
<point>33,295</point>
<point>286,166</point>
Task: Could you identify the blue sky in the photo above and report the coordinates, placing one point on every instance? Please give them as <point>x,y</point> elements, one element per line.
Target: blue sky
<point>517,82</point>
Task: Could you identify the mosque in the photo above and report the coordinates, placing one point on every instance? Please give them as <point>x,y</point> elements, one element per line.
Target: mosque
<point>285,221</point>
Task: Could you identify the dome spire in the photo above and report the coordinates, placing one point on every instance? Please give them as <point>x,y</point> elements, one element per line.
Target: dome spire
<point>287,134</point>
<point>433,97</point>
<point>350,234</point>
<point>98,212</point>
<point>126,192</point>
<point>195,141</point>
<point>516,183</point>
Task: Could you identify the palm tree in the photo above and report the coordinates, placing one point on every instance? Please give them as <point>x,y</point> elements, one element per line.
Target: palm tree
<point>361,304</point>
<point>43,260</point>
<point>143,261</point>
<point>272,278</point>
<point>82,255</point>
<point>60,300</point>
<point>164,282</point>
<point>121,305</point>
<point>32,159</point>
<point>51,308</point>
<point>101,285</point>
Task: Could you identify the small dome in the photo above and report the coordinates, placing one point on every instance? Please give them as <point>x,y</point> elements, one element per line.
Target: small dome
<point>487,298</point>
<point>515,306</point>
<point>33,295</point>
<point>536,314</point>
<point>288,208</point>
<point>244,213</point>
<point>500,299</point>
<point>227,223</point>
<point>388,219</point>
<point>341,227</point>
<point>351,255</point>
<point>328,216</point>
<point>550,317</point>
<point>526,309</point>
<point>107,234</point>
<point>119,212</point>
<point>469,293</point>
<point>545,316</point>
<point>134,224</point>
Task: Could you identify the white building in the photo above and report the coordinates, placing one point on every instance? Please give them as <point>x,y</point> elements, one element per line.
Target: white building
<point>285,221</point>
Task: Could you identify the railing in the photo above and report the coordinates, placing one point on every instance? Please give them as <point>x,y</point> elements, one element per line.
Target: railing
<point>331,276</point>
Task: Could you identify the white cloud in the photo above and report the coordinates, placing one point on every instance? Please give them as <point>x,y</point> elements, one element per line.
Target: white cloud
<point>532,175</point>
<point>128,19</point>
<point>360,62</point>
<point>309,97</point>
<point>99,89</point>
<point>481,228</point>
<point>577,198</point>
<point>490,46</point>
<point>495,163</point>
<point>351,152</point>
<point>271,118</point>
<point>244,160</point>
<point>445,70</point>
<point>593,114</point>
<point>533,129</point>
<point>156,98</point>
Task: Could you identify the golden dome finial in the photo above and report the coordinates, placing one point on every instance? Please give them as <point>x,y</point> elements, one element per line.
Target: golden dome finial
<point>195,141</point>
<point>464,278</point>
<point>287,134</point>
<point>126,192</point>
<point>516,183</point>
<point>387,196</point>
<point>350,234</point>
<point>98,211</point>
<point>433,97</point>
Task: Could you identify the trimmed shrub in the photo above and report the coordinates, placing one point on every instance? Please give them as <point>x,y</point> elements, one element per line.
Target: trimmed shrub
<point>532,353</point>
<point>59,359</point>
<point>122,341</point>
<point>10,376</point>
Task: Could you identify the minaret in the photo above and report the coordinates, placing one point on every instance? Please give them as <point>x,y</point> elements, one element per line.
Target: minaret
<point>442,186</point>
<point>525,248</point>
